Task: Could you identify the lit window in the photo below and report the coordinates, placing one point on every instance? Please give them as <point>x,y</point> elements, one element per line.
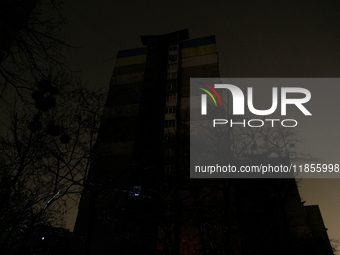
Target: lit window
<point>171,97</point>
<point>170,110</point>
<point>135,191</point>
<point>169,123</point>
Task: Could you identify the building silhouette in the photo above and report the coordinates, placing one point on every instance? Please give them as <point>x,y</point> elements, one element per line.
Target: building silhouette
<point>139,198</point>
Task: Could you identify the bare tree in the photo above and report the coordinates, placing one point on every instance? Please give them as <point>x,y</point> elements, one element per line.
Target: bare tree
<point>30,43</point>
<point>45,156</point>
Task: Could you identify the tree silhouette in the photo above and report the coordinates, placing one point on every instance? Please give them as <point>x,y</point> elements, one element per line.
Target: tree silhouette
<point>30,44</point>
<point>45,156</point>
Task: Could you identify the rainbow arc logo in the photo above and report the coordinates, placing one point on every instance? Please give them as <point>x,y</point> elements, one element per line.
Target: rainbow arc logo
<point>204,97</point>
<point>209,93</point>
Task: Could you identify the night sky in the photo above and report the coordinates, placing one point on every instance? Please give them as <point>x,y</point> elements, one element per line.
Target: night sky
<point>286,39</point>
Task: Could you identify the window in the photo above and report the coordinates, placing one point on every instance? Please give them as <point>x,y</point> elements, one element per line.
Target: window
<point>171,97</point>
<point>169,124</point>
<point>169,169</point>
<point>170,110</point>
<point>171,86</point>
<point>172,66</point>
<point>169,137</point>
<point>172,76</point>
<point>135,191</point>
<point>168,153</point>
<point>173,48</point>
<point>173,57</point>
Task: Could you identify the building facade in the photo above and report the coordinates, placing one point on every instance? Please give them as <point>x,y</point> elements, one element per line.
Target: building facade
<point>139,198</point>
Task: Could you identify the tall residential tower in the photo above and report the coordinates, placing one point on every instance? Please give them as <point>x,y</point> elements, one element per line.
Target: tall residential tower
<point>137,145</point>
<point>139,198</point>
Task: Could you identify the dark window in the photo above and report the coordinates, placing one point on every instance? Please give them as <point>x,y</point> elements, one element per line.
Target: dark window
<point>172,66</point>
<point>169,137</point>
<point>171,86</point>
<point>169,169</point>
<point>172,76</point>
<point>173,57</point>
<point>170,110</point>
<point>170,123</point>
<point>168,153</point>
<point>173,48</point>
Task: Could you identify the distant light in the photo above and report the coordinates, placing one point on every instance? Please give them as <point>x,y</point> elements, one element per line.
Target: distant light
<point>42,238</point>
<point>135,191</point>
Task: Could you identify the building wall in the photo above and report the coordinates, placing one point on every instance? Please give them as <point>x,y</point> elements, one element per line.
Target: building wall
<point>131,138</point>
<point>139,196</point>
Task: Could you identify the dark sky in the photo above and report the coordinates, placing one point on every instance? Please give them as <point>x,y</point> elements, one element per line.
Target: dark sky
<point>267,39</point>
